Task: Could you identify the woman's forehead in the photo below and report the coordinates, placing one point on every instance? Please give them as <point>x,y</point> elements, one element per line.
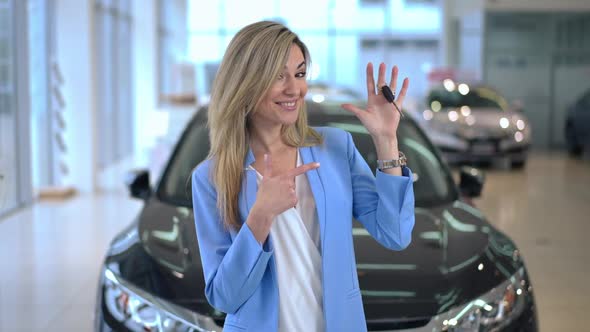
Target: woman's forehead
<point>296,58</point>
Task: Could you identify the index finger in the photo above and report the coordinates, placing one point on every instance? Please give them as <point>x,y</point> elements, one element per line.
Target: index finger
<point>302,169</point>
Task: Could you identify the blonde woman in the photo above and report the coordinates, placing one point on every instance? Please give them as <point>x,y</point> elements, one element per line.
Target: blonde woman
<point>274,201</point>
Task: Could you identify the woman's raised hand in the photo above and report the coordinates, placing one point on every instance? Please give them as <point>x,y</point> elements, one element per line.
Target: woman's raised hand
<point>381,118</point>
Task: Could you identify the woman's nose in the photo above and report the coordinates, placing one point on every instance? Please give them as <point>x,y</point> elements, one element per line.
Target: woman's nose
<point>291,86</point>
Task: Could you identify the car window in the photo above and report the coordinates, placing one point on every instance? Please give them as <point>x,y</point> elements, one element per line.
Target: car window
<point>477,98</point>
<point>433,183</point>
<point>191,150</point>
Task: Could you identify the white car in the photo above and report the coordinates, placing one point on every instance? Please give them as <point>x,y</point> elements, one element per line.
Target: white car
<point>474,123</point>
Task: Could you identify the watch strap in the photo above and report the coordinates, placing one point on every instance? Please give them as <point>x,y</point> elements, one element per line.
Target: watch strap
<point>392,163</point>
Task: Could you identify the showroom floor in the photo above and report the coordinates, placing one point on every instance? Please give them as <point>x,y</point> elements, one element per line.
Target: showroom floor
<point>51,252</point>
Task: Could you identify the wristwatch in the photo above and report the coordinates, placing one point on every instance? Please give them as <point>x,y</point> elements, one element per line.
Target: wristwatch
<point>392,163</point>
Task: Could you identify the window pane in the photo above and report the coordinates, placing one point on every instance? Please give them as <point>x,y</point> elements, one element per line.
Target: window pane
<point>371,19</point>
<point>350,71</point>
<point>4,72</point>
<point>124,7</point>
<point>8,148</point>
<point>239,13</point>
<point>415,18</point>
<point>318,48</point>
<point>203,16</point>
<point>205,48</point>
<point>305,14</point>
<point>346,15</point>
<point>3,47</point>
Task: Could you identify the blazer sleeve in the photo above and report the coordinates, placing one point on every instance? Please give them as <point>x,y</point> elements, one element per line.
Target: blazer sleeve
<point>383,204</point>
<point>232,269</point>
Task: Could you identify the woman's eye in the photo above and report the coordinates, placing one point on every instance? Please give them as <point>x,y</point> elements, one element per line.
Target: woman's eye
<point>281,76</point>
<point>301,74</point>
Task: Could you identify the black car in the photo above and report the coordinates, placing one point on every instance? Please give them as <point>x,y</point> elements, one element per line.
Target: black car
<point>458,274</point>
<point>577,126</point>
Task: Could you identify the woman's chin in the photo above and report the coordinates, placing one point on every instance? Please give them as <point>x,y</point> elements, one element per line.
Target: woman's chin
<point>290,119</point>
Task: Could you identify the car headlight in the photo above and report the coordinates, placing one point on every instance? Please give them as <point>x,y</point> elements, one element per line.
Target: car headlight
<point>519,129</point>
<point>492,311</point>
<point>141,311</point>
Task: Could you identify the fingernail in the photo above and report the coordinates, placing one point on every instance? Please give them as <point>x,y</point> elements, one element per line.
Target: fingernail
<point>317,164</point>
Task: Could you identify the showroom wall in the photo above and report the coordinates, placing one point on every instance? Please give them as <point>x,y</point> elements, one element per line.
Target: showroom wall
<point>42,79</point>
<point>145,64</point>
<point>106,54</point>
<point>75,57</point>
<point>543,60</point>
<point>90,83</point>
<point>112,42</point>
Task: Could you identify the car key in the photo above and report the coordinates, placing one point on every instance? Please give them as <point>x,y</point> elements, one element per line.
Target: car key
<point>390,96</point>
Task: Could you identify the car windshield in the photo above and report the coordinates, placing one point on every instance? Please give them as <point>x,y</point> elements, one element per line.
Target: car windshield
<point>479,97</point>
<point>433,184</point>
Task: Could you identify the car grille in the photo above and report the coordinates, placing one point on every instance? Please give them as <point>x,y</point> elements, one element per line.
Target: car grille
<point>470,133</point>
<point>397,324</point>
<point>488,146</point>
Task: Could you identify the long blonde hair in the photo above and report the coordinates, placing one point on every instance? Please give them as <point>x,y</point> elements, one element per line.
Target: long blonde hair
<point>250,65</point>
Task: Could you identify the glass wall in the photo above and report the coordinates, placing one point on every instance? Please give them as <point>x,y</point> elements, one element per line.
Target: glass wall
<point>8,165</point>
<point>14,152</point>
<point>40,44</point>
<point>114,80</point>
<point>335,32</point>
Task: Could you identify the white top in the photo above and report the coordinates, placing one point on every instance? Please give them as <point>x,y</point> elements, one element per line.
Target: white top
<point>296,243</point>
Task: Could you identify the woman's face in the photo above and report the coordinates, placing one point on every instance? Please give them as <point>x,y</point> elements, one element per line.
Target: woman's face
<point>281,104</point>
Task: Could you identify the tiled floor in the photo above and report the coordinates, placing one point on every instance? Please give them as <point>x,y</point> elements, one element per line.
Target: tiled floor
<point>51,252</point>
<point>546,211</point>
<point>51,255</point>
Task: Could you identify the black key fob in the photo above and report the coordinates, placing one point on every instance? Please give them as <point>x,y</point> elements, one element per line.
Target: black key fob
<point>387,93</point>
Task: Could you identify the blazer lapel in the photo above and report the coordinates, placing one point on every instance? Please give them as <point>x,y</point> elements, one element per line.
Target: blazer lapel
<point>309,155</point>
<point>249,186</point>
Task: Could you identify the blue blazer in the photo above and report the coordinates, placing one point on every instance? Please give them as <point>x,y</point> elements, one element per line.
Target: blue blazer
<point>240,274</point>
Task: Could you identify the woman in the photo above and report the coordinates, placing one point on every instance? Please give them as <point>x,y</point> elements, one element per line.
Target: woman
<point>274,201</point>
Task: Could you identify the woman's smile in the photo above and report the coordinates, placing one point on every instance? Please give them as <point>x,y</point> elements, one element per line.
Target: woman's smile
<point>288,105</point>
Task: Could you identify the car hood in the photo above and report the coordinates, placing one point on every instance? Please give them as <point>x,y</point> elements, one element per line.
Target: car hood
<point>455,256</point>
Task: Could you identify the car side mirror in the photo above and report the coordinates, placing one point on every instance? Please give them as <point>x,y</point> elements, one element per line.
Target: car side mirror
<point>471,181</point>
<point>138,182</point>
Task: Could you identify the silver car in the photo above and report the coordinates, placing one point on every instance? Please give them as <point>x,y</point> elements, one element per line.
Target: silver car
<point>474,123</point>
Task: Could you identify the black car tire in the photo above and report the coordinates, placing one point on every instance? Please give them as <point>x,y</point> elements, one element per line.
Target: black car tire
<point>573,146</point>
